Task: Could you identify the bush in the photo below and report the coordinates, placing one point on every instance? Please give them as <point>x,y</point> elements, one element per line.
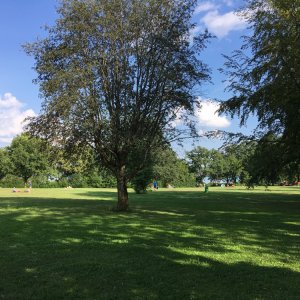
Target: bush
<point>142,181</point>
<point>77,181</point>
<point>108,182</point>
<point>10,181</point>
<point>93,180</point>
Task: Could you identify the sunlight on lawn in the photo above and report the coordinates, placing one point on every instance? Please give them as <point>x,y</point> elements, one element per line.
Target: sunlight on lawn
<point>178,241</point>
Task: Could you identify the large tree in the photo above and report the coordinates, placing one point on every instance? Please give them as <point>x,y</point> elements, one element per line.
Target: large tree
<point>198,161</point>
<point>217,165</point>
<point>113,74</point>
<point>29,156</point>
<point>171,170</point>
<point>265,165</point>
<point>264,75</point>
<point>233,162</point>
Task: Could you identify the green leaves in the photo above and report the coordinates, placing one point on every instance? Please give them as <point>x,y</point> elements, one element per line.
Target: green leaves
<point>114,74</point>
<point>29,156</point>
<point>267,82</point>
<point>5,163</point>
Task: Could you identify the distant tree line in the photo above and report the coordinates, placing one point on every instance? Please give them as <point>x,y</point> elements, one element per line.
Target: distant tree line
<point>29,158</point>
<point>247,163</point>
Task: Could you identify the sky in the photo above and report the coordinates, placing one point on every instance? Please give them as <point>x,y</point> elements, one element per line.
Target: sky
<point>23,21</point>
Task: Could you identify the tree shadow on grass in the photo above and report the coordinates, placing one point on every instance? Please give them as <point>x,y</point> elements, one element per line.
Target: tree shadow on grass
<point>78,249</point>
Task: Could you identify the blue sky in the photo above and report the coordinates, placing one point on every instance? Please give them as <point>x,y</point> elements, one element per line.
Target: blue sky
<point>22,21</point>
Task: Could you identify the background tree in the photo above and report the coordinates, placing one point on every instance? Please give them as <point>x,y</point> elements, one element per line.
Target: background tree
<point>113,75</point>
<point>233,163</point>
<point>267,82</point>
<point>5,163</point>
<point>265,165</point>
<point>232,168</point>
<point>198,161</point>
<point>244,151</point>
<point>170,170</point>
<point>29,156</point>
<point>145,176</point>
<point>66,163</point>
<point>291,172</point>
<point>216,166</point>
<point>142,180</point>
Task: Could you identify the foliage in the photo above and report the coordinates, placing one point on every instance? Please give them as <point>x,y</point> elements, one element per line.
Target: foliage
<point>67,163</point>
<point>263,163</point>
<point>243,152</point>
<point>216,166</point>
<point>265,166</point>
<point>114,75</point>
<point>5,163</point>
<point>291,172</point>
<point>142,180</point>
<point>230,163</point>
<point>268,81</point>
<point>100,178</point>
<point>165,167</point>
<point>184,178</point>
<point>144,176</point>
<point>80,168</point>
<point>235,156</point>
<point>170,170</point>
<point>10,181</point>
<point>29,156</point>
<point>198,161</point>
<point>233,168</point>
<point>248,163</point>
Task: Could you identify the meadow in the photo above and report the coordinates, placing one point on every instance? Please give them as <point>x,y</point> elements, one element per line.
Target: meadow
<point>172,244</point>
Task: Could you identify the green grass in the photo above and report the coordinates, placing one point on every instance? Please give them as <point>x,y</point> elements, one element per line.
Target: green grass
<point>173,244</point>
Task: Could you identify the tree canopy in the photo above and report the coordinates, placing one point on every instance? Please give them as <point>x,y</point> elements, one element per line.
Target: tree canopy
<point>250,163</point>
<point>29,156</point>
<point>169,170</point>
<point>264,75</point>
<point>199,161</point>
<point>113,75</point>
<point>5,163</point>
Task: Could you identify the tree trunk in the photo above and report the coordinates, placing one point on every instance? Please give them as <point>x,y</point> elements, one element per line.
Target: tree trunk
<point>122,204</point>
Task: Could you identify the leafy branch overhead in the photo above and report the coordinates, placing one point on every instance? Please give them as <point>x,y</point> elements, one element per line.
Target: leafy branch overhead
<point>264,75</point>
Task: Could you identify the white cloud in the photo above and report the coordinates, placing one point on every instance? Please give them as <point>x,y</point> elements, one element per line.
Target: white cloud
<point>6,140</point>
<point>12,116</point>
<point>221,25</point>
<point>205,6</point>
<point>228,2</point>
<point>205,116</point>
<point>208,117</point>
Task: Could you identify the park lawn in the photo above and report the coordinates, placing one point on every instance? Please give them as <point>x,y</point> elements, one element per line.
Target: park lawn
<point>173,244</point>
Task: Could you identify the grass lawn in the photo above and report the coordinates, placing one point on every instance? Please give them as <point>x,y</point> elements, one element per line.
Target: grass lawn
<point>173,244</point>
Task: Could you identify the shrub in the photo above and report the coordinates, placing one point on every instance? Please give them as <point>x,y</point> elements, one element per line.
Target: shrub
<point>10,181</point>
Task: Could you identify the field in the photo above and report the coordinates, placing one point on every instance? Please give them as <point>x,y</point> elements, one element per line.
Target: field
<point>173,244</point>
